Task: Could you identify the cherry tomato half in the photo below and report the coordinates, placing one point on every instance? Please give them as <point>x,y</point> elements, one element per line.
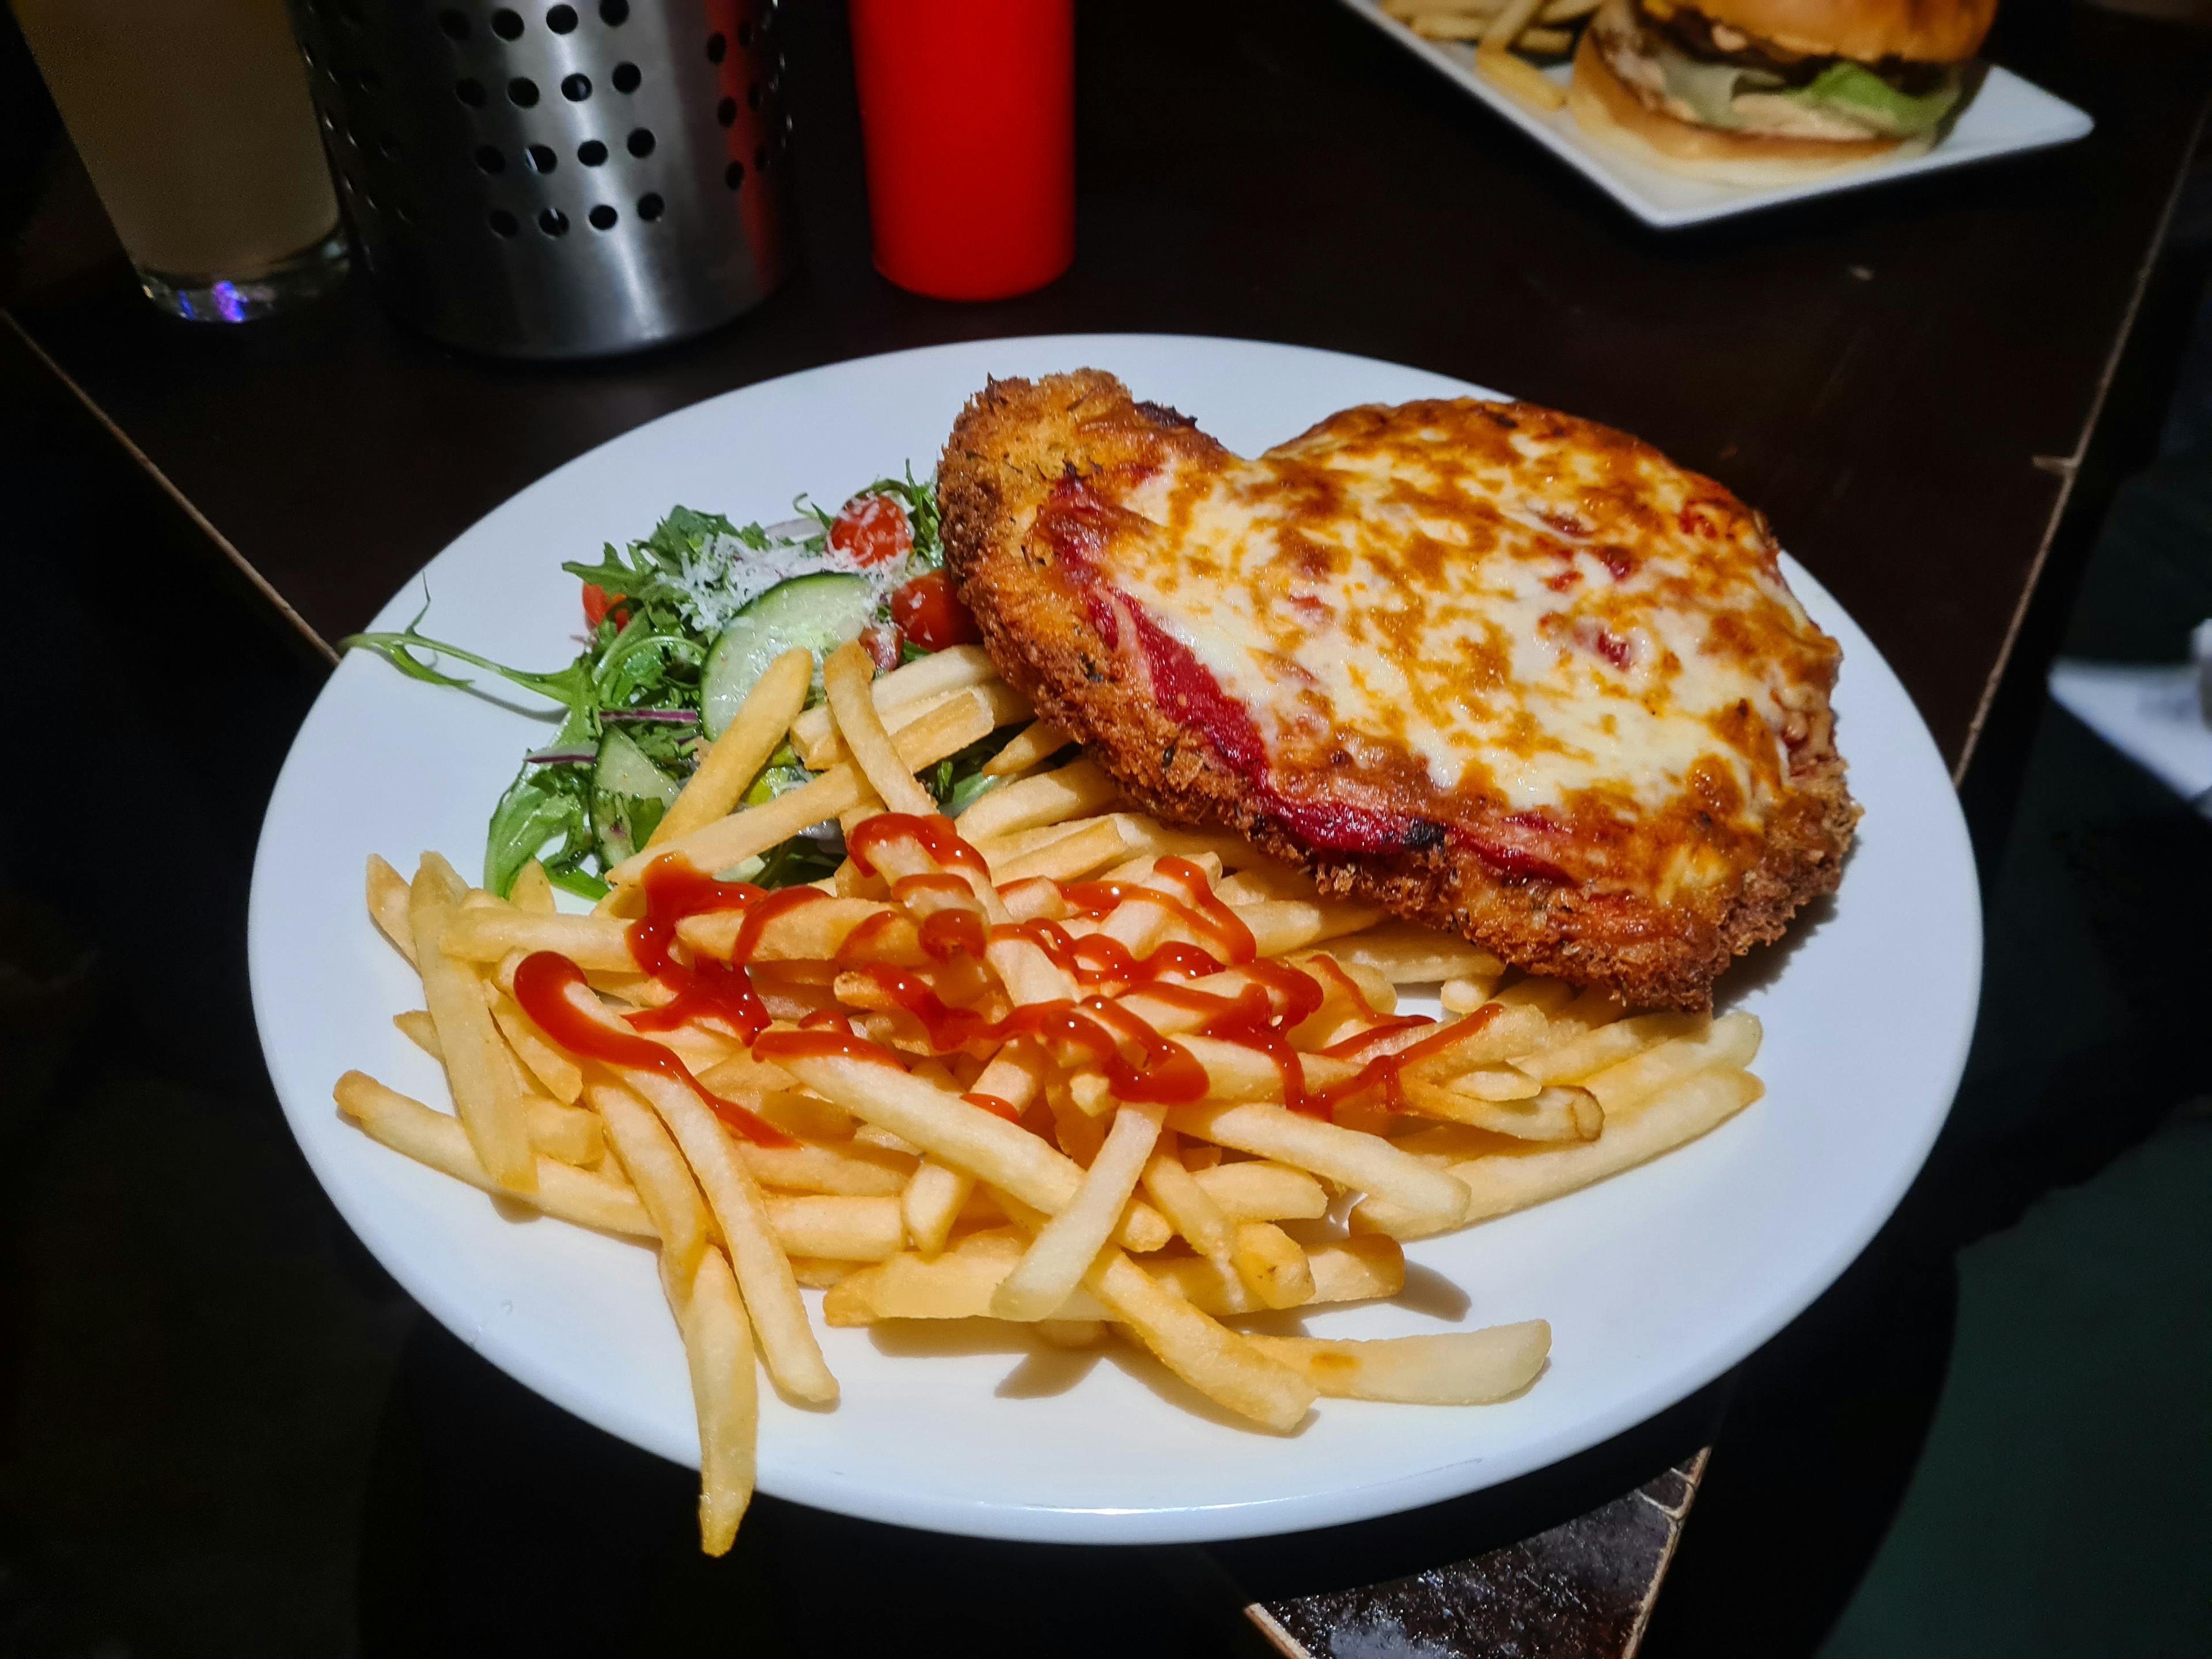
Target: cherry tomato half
<point>598,602</point>
<point>871,530</point>
<point>931,616</point>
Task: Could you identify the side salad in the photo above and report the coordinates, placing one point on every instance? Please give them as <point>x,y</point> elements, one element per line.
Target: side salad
<point>677,629</point>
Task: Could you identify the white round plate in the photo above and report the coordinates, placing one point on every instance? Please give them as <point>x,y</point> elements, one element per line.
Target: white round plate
<point>1655,1282</point>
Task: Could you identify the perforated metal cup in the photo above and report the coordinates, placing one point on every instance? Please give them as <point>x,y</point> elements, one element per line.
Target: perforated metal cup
<point>556,181</point>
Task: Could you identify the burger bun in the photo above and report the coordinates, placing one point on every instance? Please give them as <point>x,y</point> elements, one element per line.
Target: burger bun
<point>1614,118</point>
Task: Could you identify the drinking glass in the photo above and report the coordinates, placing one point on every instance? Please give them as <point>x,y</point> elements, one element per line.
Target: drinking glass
<point>192,117</point>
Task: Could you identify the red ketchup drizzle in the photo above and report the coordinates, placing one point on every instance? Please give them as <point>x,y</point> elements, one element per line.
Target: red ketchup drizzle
<point>706,989</point>
<point>1198,910</point>
<point>996,1107</point>
<point>1383,1070</point>
<point>935,832</point>
<point>948,1028</point>
<point>948,933</point>
<point>1096,1027</point>
<point>542,984</point>
<point>1184,961</point>
<point>1353,1047</point>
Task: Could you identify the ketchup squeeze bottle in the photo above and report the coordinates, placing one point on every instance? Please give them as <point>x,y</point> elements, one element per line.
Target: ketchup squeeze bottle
<point>967,120</point>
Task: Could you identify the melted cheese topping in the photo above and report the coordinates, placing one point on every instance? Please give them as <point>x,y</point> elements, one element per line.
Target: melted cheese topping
<point>1506,608</point>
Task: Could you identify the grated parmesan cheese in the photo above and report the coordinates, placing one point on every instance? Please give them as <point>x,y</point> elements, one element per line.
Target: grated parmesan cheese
<point>726,575</point>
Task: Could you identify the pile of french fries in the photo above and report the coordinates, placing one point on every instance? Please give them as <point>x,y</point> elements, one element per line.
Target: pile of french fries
<point>1084,1213</point>
<point>1499,30</point>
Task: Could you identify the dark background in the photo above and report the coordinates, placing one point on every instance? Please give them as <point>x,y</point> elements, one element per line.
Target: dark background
<point>223,1431</point>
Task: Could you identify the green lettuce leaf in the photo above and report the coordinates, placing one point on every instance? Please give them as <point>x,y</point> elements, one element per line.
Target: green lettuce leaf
<point>1857,93</point>
<point>542,803</point>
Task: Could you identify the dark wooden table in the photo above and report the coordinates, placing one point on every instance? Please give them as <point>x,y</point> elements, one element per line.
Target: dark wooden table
<point>1911,381</point>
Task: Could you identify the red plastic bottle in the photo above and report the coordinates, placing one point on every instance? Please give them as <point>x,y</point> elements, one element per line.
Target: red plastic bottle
<point>968,113</point>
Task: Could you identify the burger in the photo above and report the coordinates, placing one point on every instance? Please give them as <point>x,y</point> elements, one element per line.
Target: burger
<point>1767,92</point>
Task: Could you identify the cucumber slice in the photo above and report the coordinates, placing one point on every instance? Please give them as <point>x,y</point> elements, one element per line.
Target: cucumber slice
<point>630,794</point>
<point>818,613</point>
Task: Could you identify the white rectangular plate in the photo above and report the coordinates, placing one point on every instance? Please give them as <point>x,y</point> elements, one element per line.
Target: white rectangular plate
<point>2007,117</point>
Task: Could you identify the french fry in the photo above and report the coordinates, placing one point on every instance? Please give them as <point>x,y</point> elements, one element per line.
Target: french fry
<point>1502,1031</point>
<point>1345,1155</point>
<point>846,675</point>
<point>1216,1361</point>
<point>1407,954</point>
<point>417,1027</point>
<point>1003,705</point>
<point>1004,1154</point>
<point>1593,1006</point>
<point>1141,871</point>
<point>1064,1248</point>
<point>1348,1270</point>
<point>718,1349</point>
<point>1551,43</point>
<point>959,1283</point>
<point>590,942</point>
<point>1552,1114</point>
<point>927,740</point>
<point>997,849</point>
<point>1519,79</point>
<point>812,932</point>
<point>1030,748</point>
<point>897,694</point>
<point>933,1200</point>
<point>1497,1082</point>
<point>1034,802</point>
<point>855,1171</point>
<point>1070,858</point>
<point>797,1114</point>
<point>1593,1051</point>
<point>1271,1264</point>
<point>956,1284</point>
<point>1261,1191</point>
<point>561,1078</point>
<point>1015,1075</point>
<point>814,1273</point>
<point>431,1138</point>
<point>660,1181</point>
<point>1451,1368</point>
<point>1261,878</point>
<point>737,757</point>
<point>1152,838</point>
<point>1728,1043</point>
<point>484,1093</point>
<point>1282,926</point>
<point>1465,992</point>
<point>1513,16</point>
<point>568,1133</point>
<point>742,1074</point>
<point>532,891</point>
<point>1546,996</point>
<point>1028,975</point>
<point>1505,1182</point>
<point>836,1228</point>
<point>387,906</point>
<point>1183,1199</point>
<point>786,1341</point>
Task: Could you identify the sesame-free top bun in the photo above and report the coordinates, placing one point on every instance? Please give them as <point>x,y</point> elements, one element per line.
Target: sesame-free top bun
<point>1917,31</point>
<point>1611,114</point>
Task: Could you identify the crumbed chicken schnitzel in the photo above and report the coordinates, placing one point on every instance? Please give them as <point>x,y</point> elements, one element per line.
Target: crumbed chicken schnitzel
<point>1495,668</point>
